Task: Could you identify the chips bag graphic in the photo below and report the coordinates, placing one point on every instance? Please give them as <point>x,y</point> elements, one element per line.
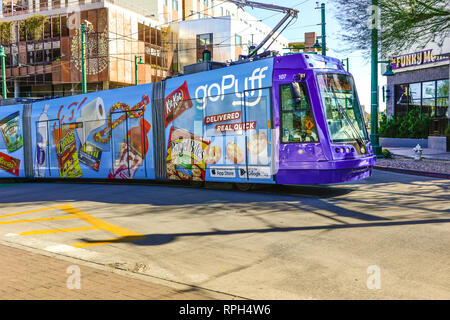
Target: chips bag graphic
<point>186,156</point>
<point>9,164</point>
<point>11,132</point>
<point>176,103</point>
<point>66,151</point>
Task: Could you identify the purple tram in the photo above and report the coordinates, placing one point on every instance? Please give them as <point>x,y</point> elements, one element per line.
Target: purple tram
<point>292,119</point>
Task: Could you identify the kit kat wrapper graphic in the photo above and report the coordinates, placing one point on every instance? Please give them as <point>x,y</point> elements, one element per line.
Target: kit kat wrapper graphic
<point>66,151</point>
<point>176,103</point>
<point>9,164</point>
<point>186,156</point>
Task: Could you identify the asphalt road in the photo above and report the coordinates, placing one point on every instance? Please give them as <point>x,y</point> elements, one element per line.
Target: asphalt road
<point>386,237</point>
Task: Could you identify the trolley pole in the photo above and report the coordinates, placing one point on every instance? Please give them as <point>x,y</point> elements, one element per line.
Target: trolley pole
<point>3,56</point>
<point>374,136</point>
<point>83,59</point>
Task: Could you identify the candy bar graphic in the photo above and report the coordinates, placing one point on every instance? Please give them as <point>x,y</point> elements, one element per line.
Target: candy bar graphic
<point>176,103</point>
<point>9,164</point>
<point>130,112</point>
<point>132,152</point>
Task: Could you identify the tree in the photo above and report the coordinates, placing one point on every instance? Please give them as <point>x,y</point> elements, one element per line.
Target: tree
<point>402,24</point>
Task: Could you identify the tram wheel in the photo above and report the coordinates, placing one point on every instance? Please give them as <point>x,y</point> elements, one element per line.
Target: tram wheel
<point>244,186</point>
<point>197,184</point>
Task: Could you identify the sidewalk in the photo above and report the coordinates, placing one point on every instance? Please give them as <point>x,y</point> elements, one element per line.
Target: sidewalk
<point>31,276</point>
<point>430,154</point>
<point>434,163</point>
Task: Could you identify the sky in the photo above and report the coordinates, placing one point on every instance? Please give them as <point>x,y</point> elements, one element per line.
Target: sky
<point>309,20</point>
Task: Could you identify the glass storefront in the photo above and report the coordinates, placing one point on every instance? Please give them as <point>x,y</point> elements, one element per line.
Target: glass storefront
<point>430,98</point>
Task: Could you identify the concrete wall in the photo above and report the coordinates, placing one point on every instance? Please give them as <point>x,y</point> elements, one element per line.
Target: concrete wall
<point>403,143</point>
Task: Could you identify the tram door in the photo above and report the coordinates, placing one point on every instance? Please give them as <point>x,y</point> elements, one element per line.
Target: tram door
<point>42,158</point>
<point>129,146</point>
<point>298,130</point>
<point>258,135</point>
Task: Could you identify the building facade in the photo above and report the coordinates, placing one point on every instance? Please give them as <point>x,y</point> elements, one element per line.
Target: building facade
<point>42,42</point>
<point>420,82</point>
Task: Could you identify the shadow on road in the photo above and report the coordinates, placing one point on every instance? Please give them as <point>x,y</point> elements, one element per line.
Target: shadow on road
<point>161,239</point>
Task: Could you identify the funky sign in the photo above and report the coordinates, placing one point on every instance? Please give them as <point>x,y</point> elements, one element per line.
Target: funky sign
<point>416,59</point>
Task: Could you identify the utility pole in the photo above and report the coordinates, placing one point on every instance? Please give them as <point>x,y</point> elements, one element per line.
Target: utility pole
<point>324,37</point>
<point>3,56</point>
<point>346,64</point>
<point>374,136</point>
<point>136,62</point>
<point>83,59</point>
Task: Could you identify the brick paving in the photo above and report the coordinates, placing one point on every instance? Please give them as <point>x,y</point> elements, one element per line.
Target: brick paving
<point>29,276</point>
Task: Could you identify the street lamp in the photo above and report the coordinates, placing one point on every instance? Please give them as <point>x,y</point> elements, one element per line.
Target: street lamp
<point>136,62</point>
<point>389,71</point>
<point>3,56</point>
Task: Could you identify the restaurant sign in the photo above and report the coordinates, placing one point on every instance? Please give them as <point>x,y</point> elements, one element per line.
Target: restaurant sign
<point>416,59</point>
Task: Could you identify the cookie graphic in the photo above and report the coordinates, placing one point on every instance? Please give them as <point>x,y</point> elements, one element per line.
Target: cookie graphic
<point>235,153</point>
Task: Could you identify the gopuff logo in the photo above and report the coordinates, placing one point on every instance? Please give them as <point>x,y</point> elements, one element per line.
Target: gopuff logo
<point>230,84</point>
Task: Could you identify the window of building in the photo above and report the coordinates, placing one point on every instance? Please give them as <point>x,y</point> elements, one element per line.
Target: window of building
<point>175,4</point>
<point>204,41</point>
<point>429,98</point>
<point>442,98</point>
<point>238,40</point>
<point>206,3</point>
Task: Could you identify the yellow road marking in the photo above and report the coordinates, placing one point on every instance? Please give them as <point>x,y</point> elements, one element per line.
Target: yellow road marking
<point>124,235</point>
<point>38,220</point>
<point>33,233</point>
<point>31,211</point>
<point>119,231</point>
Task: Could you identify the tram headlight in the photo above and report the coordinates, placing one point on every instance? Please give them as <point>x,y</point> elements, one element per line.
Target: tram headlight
<point>363,150</point>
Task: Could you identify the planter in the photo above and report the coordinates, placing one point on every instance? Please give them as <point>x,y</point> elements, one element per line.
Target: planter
<point>403,143</point>
<point>437,143</point>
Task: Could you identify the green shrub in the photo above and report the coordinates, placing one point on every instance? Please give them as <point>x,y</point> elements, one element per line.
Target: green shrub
<point>387,154</point>
<point>413,125</point>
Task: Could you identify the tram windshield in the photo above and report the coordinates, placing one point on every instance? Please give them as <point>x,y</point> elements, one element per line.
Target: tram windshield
<point>341,107</point>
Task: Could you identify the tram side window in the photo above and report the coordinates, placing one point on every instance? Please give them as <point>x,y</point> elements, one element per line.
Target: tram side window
<point>297,119</point>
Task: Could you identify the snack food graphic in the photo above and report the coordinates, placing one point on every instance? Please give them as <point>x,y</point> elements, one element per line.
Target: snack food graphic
<point>12,132</point>
<point>235,153</point>
<point>176,103</point>
<point>213,154</point>
<point>91,155</point>
<point>9,164</point>
<point>66,152</point>
<point>132,152</point>
<point>135,112</point>
<point>186,156</point>
<point>257,148</point>
<point>257,143</point>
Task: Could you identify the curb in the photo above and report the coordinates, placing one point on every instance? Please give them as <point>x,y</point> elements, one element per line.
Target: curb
<point>416,173</point>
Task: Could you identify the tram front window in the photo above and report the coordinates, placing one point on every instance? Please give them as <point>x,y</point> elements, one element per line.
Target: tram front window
<point>297,119</point>
<point>341,107</point>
